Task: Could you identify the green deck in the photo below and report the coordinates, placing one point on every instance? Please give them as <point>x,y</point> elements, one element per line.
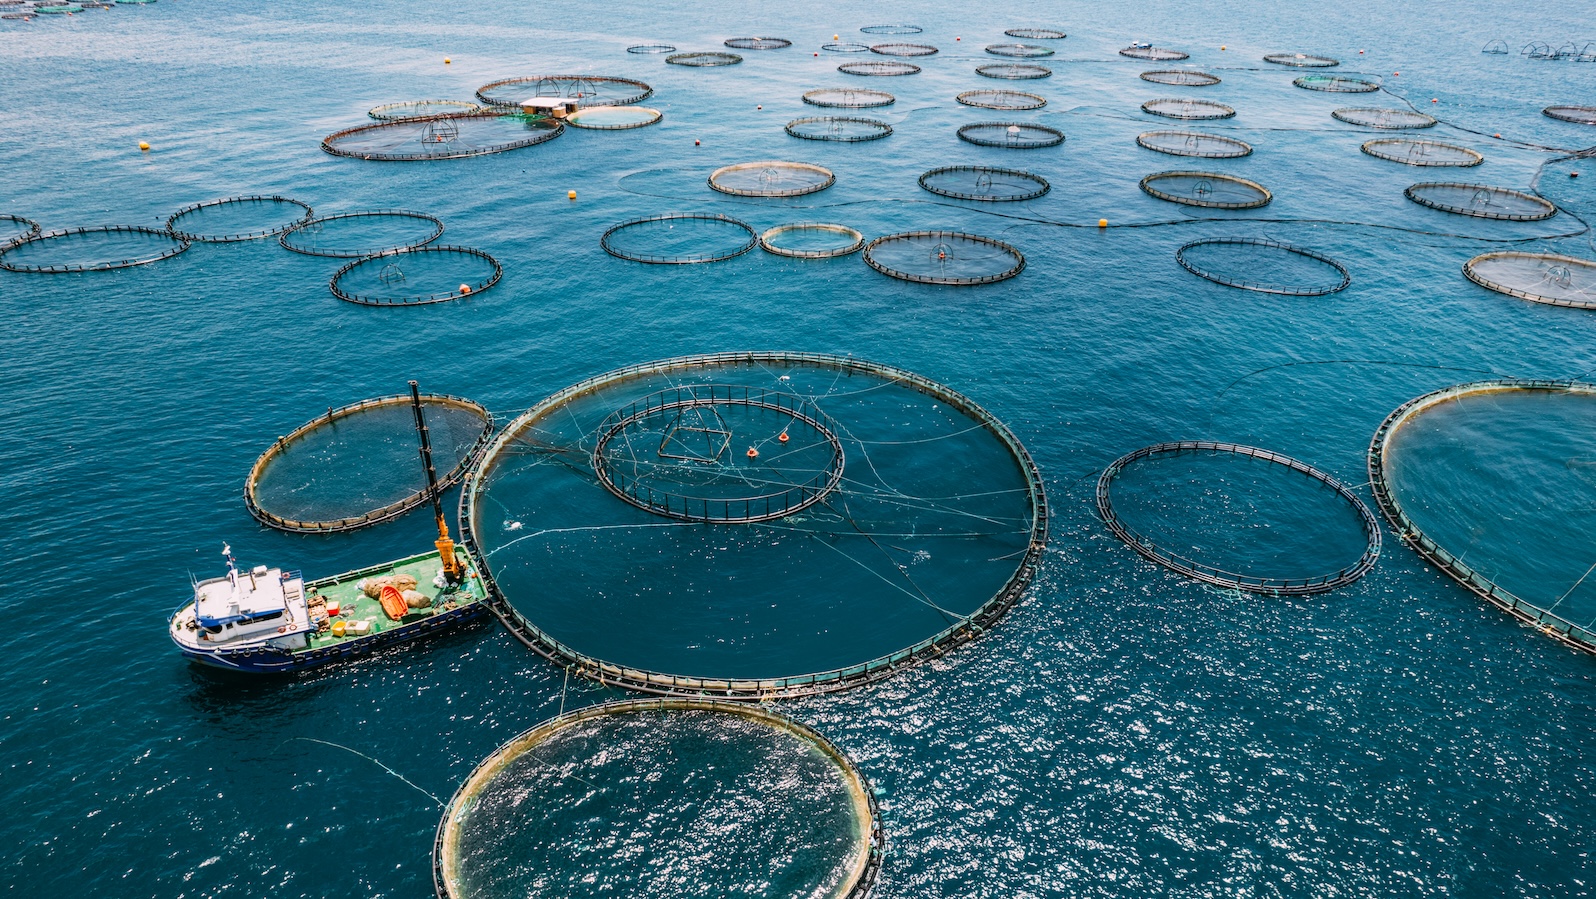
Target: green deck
<point>354,605</point>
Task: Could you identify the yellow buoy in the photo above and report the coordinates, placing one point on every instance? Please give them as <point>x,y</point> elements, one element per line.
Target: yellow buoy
<point>570,195</point>
<point>836,37</point>
<point>1102,223</point>
<point>144,145</point>
<point>447,60</point>
<point>1221,46</point>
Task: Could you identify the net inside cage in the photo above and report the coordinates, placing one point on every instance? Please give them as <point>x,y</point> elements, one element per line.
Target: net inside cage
<point>1542,277</point>
<point>771,179</point>
<point>845,47</point>
<point>846,129</point>
<point>1014,71</point>
<point>1181,77</point>
<point>1160,54</point>
<point>996,99</point>
<point>679,239</point>
<point>1011,135</point>
<point>1384,119</point>
<point>903,49</point>
<point>89,249</point>
<point>420,109</point>
<point>1194,144</point>
<point>1423,153</point>
<point>238,218</point>
<point>892,29</point>
<point>944,257</point>
<point>1481,201</point>
<point>1336,84</point>
<point>1302,60</point>
<point>442,137</point>
<point>758,43</point>
<point>1264,266</point>
<point>1579,115</point>
<point>1022,51</point>
<point>848,98</point>
<point>650,49</point>
<point>704,60</point>
<point>878,69</point>
<point>353,234</point>
<point>1036,34</point>
<point>416,276</point>
<point>587,90</point>
<point>613,118</point>
<point>1208,189</point>
<point>812,240</point>
<point>983,183</point>
<point>1186,108</point>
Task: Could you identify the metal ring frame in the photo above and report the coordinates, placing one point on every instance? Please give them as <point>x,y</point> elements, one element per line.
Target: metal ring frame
<point>1415,193</point>
<point>390,255</point>
<point>861,98</point>
<point>571,86</point>
<point>30,230</point>
<point>1158,54</point>
<point>1191,110</point>
<point>1040,189</point>
<point>869,258</point>
<point>1239,148</point>
<point>1472,273</point>
<point>1181,77</point>
<point>385,112</point>
<point>1053,136</point>
<point>767,240</point>
<point>1036,34</point>
<point>171,223</point>
<point>1019,51</point>
<point>1336,84</point>
<point>650,49</point>
<point>1375,117</point>
<point>284,238</point>
<point>1147,183</point>
<point>892,29</point>
<point>1376,148</point>
<point>757,43</point>
<point>1341,284</point>
<point>753,239</point>
<point>1014,71</point>
<point>445,150</point>
<point>1579,115</point>
<point>575,120</point>
<point>903,49</point>
<point>879,69</point>
<point>992,99</point>
<point>1301,60</point>
<point>107,265</point>
<point>826,181</point>
<point>703,60</point>
<point>882,129</point>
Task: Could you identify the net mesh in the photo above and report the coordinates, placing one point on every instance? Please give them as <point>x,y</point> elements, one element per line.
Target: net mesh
<point>1182,77</point>
<point>1194,143</point>
<point>650,49</point>
<point>848,98</point>
<point>903,49</point>
<point>758,43</point>
<point>878,69</point>
<point>892,29</point>
<point>1207,189</point>
<point>90,249</point>
<point>1154,53</point>
<point>812,240</point>
<point>421,109</point>
<point>1186,108</point>
<point>587,90</point>
<point>349,235</point>
<point>613,118</point>
<point>416,276</point>
<point>679,239</point>
<point>1011,135</point>
<point>1481,201</point>
<point>1422,153</point>
<point>1541,277</point>
<point>441,137</point>
<point>1264,266</point>
<point>1014,71</point>
<point>771,179</point>
<point>1022,51</point>
<point>1036,34</point>
<point>1579,115</point>
<point>994,99</point>
<point>846,47</point>
<point>703,60</point>
<point>238,218</point>
<point>1302,60</point>
<point>846,129</point>
<point>1384,119</point>
<point>1336,84</point>
<point>944,257</point>
<point>970,182</point>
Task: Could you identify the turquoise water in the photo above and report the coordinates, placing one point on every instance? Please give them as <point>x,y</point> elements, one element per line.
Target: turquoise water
<point>1121,733</point>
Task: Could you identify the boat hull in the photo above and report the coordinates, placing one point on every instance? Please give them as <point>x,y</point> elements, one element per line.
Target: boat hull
<point>271,660</point>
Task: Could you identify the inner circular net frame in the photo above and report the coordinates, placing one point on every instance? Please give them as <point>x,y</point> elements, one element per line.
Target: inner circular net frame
<point>771,179</point>
<point>608,240</point>
<point>1194,144</point>
<point>443,137</point>
<point>845,47</point>
<point>848,98</point>
<point>903,49</point>
<point>882,69</point>
<point>1549,278</point>
<point>1208,190</point>
<point>1302,60</point>
<point>1181,77</point>
<point>1014,71</point>
<point>984,183</point>
<point>1336,84</point>
<point>650,49</point>
<point>1579,115</point>
<point>587,90</point>
<point>938,255</point>
<point>757,43</point>
<point>1157,54</point>
<point>613,118</point>
<point>1011,135</point>
<point>1422,152</point>
<point>1020,51</point>
<point>852,241</point>
<point>292,239</point>
<point>392,276</point>
<point>174,245</point>
<point>387,512</point>
<point>1000,99</point>
<point>421,109</point>
<point>1343,280</point>
<point>844,129</point>
<point>1036,34</point>
<point>23,229</point>
<point>175,221</point>
<point>703,60</point>
<point>1481,201</point>
<point>892,29</point>
<point>1384,119</point>
<point>1187,108</point>
<point>1208,574</point>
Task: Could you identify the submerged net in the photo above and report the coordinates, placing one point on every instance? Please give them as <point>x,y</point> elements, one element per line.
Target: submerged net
<point>811,240</point>
<point>1194,143</point>
<point>1481,201</point>
<point>879,69</point>
<point>90,249</point>
<point>1265,266</point>
<point>848,98</point>
<point>587,90</point>
<point>993,99</point>
<point>416,276</point>
<point>421,109</point>
<point>1185,108</point>
<point>1302,60</point>
<point>846,47</point>
<point>15,229</point>
<point>1541,277</point>
<point>903,49</point>
<point>1384,119</point>
<point>349,235</point>
<point>846,129</point>
<point>892,29</point>
<point>238,218</point>
<point>932,530</point>
<point>650,49</point>
<point>613,118</point>
<point>1155,53</point>
<point>1182,77</point>
<point>441,137</point>
<point>670,799</point>
<point>1240,517</point>
<point>1336,84</point>
<point>1422,152</point>
<point>944,257</point>
<point>1579,115</point>
<point>771,179</point>
<point>758,43</point>
<point>1011,135</point>
<point>1036,34</point>
<point>1023,51</point>
<point>679,239</point>
<point>703,60</point>
<point>1207,189</point>
<point>1015,71</point>
<point>972,182</point>
<point>360,464</point>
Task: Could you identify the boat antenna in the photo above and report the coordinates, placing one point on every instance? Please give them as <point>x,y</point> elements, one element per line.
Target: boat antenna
<point>451,565</point>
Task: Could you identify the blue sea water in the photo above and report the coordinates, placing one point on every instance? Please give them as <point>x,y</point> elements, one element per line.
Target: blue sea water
<point>1122,732</point>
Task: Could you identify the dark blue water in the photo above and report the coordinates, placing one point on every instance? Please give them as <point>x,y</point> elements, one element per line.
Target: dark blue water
<point>1122,732</point>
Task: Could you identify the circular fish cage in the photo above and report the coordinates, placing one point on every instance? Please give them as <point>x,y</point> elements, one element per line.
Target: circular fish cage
<point>811,240</point>
<point>892,29</point>
<point>1422,152</point>
<point>359,464</point>
<point>937,503</point>
<point>1158,54</point>
<point>879,69</point>
<point>350,235</point>
<point>1248,514</point>
<point>689,791</point>
<point>1181,77</point>
<point>1579,115</point>
<point>771,179</point>
<point>89,249</point>
<point>15,229</point>
<point>1036,34</point>
<point>848,98</point>
<point>1264,266</point>
<point>1194,143</point>
<point>1384,119</point>
<point>1186,108</point>
<point>441,137</point>
<point>1481,201</point>
<point>944,257</point>
<point>421,109</point>
<point>903,49</point>
<point>1207,189</point>
<point>1022,51</point>
<point>1538,277</point>
<point>1301,60</point>
<point>703,60</point>
<point>650,49</point>
<point>995,99</point>
<point>974,182</point>
<point>238,218</point>
<point>613,118</point>
<point>758,43</point>
<point>1335,84</point>
<point>847,129</point>
<point>587,90</point>
<point>416,276</point>
<point>1014,71</point>
<point>1489,482</point>
<point>679,239</point>
<point>846,47</point>
<point>1011,135</point>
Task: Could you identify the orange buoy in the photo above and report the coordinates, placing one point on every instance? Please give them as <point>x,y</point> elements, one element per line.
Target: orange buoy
<point>753,453</point>
<point>783,438</point>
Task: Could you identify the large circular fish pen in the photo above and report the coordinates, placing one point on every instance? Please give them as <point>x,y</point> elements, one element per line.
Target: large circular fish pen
<point>1422,152</point>
<point>679,239</point>
<point>1194,143</point>
<point>587,90</point>
<point>944,257</point>
<point>984,183</point>
<point>442,137</point>
<point>238,219</point>
<point>350,235</point>
<point>1548,278</point>
<point>771,179</point>
<point>1481,201</point>
<point>416,276</point>
<point>96,249</point>
<point>1263,266</point>
<point>1207,189</point>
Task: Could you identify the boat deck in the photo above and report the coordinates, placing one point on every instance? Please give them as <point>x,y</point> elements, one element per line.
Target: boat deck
<point>355,605</point>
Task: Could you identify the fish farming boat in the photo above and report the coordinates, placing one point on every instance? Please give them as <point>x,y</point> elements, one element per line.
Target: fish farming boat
<point>270,620</point>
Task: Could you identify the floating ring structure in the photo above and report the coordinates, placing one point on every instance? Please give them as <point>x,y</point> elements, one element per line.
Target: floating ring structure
<point>771,179</point>
<point>1181,77</point>
<point>848,98</point>
<point>903,49</point>
<point>1036,34</point>
<point>1194,143</point>
<point>17,229</point>
<point>1011,135</point>
<point>846,47</point>
<point>846,129</point>
<point>535,508</point>
<point>892,29</point>
<point>1538,277</point>
<point>1481,201</point>
<point>882,69</point>
<point>1422,152</point>
<point>674,248</point>
<point>422,109</point>
<point>394,286</point>
<point>1255,254</point>
<point>1207,189</point>
<point>587,90</point>
<point>460,433</point>
<point>1579,115</point>
<point>1301,60</point>
<point>442,137</point>
<point>703,60</point>
<point>811,240</point>
<point>1014,71</point>
<point>1546,620</point>
<point>112,243</point>
<point>613,118</point>
<point>1158,54</point>
<point>1208,574</point>
<point>1022,51</point>
<point>650,49</point>
<point>502,780</point>
<point>944,257</point>
<point>185,223</point>
<point>307,238</point>
<point>1384,119</point>
<point>996,99</point>
<point>1336,84</point>
<point>983,183</point>
<point>1186,108</point>
<point>758,43</point>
